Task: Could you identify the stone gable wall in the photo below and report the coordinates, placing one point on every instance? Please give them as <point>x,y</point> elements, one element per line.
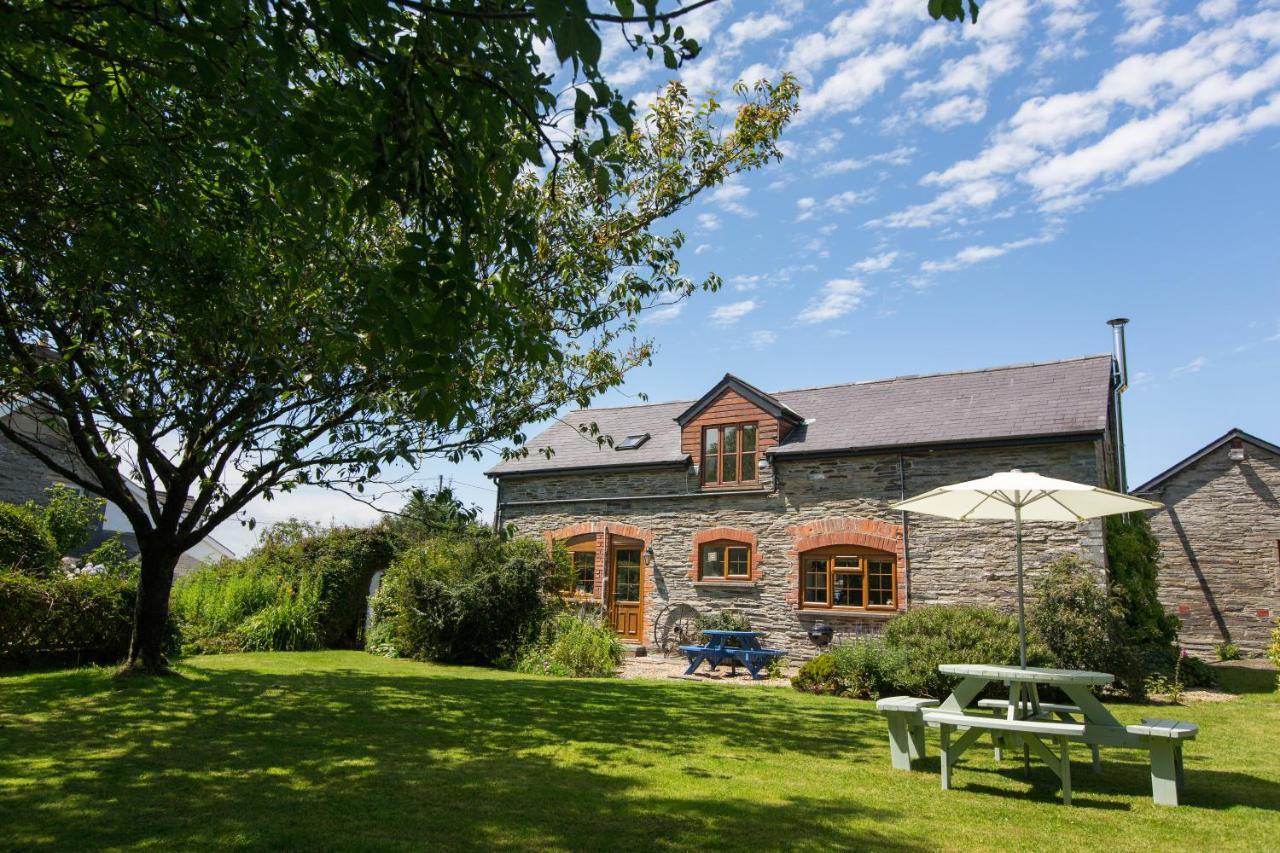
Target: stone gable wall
<point>947,562</point>
<point>1219,539</point>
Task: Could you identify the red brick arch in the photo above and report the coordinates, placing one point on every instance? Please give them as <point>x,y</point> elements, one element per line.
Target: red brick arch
<point>846,530</point>
<point>603,531</point>
<point>731,534</point>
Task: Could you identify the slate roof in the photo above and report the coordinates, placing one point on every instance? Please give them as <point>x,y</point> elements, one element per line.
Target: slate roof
<point>1068,397</point>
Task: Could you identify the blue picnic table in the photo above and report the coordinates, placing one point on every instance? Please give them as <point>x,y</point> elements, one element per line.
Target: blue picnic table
<point>736,647</point>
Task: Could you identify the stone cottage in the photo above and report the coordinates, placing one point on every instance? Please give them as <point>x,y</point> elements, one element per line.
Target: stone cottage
<point>777,504</point>
<point>1219,536</point>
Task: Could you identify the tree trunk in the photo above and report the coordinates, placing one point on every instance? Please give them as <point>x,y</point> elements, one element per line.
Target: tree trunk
<point>151,614</point>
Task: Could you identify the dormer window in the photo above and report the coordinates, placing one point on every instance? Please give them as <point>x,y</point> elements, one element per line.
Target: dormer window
<point>631,442</point>
<point>729,454</point>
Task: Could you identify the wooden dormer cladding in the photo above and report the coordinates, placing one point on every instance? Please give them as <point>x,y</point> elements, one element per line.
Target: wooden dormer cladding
<point>731,402</point>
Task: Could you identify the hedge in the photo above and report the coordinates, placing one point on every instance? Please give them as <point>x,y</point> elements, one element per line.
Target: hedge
<point>79,619</point>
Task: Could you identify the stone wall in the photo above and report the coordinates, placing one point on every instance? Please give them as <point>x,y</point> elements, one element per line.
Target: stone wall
<point>1219,539</point>
<point>945,561</point>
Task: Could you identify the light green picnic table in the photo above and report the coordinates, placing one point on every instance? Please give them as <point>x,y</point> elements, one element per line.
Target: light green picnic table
<point>1023,720</point>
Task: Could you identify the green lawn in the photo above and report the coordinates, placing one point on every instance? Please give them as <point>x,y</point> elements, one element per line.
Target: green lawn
<point>339,750</point>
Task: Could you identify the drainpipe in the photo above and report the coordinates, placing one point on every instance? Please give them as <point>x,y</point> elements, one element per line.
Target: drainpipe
<point>906,542</point>
<point>1120,382</point>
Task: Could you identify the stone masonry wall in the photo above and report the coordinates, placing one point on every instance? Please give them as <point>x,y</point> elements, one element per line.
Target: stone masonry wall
<point>947,562</point>
<point>1220,549</point>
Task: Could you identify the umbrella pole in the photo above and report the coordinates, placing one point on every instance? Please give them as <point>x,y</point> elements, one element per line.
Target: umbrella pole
<point>1022,615</point>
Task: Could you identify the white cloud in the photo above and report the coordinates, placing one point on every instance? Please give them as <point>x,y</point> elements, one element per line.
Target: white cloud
<point>860,77</point>
<point>874,263</point>
<point>729,195</point>
<point>733,312</point>
<point>838,297</point>
<point>762,338</point>
<point>899,156</point>
<point>971,255</point>
<point>1146,117</point>
<point>664,313</point>
<point>756,27</point>
<point>956,111</point>
<point>1192,366</point>
<point>744,283</point>
<point>702,247</point>
<point>708,221</point>
<point>1212,10</point>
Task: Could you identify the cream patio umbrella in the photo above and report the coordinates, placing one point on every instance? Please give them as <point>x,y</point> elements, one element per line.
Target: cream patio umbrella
<point>1019,496</point>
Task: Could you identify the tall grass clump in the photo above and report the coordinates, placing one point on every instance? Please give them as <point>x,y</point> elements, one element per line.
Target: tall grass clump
<point>575,646</point>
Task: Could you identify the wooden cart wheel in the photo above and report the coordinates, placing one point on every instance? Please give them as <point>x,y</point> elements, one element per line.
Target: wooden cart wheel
<point>675,626</point>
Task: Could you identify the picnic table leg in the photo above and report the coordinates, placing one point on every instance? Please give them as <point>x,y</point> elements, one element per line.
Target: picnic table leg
<point>695,658</point>
<point>900,742</point>
<point>944,735</point>
<point>1097,758</point>
<point>1164,771</point>
<point>1066,771</point>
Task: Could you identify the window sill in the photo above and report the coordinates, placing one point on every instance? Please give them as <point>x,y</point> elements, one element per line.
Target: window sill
<point>726,584</point>
<point>820,613</point>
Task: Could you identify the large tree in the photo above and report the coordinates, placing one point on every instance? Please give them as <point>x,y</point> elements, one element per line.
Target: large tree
<point>249,245</point>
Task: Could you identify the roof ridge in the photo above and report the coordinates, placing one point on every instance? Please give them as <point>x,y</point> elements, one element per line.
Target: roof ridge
<point>975,370</point>
<point>996,369</point>
<point>635,406</point>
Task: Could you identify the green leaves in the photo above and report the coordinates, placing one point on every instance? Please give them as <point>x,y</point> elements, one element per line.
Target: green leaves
<point>953,10</point>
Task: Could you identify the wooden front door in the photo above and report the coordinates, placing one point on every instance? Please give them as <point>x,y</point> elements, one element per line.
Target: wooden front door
<point>626,593</point>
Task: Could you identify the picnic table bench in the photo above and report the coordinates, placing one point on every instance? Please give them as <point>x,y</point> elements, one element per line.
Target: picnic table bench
<point>736,647</point>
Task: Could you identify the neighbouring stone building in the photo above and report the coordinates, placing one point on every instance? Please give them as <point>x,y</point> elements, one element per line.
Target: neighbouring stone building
<point>777,505</point>
<point>1219,536</point>
<point>24,478</point>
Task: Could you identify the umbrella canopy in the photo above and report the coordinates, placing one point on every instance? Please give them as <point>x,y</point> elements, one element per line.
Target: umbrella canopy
<point>1019,496</point>
<point>1008,494</point>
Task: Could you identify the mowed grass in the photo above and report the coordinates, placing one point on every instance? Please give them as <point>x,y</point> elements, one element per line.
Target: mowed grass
<point>341,750</point>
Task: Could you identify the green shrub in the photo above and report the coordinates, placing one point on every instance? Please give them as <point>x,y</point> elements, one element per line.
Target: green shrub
<point>867,669</point>
<point>1227,651</point>
<point>288,626</point>
<point>77,619</point>
<point>927,637</point>
<point>111,557</point>
<point>26,545</point>
<point>1133,559</point>
<point>1078,621</point>
<point>1274,651</point>
<point>863,669</point>
<point>577,646</point>
<point>70,516</point>
<point>722,620</point>
<point>329,569</point>
<point>475,600</point>
<point>818,675</point>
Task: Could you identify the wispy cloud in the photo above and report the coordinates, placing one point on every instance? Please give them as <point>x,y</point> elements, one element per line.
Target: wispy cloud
<point>838,297</point>
<point>729,314</point>
<point>1192,366</point>
<point>874,263</point>
<point>762,338</point>
<point>708,221</point>
<point>664,313</point>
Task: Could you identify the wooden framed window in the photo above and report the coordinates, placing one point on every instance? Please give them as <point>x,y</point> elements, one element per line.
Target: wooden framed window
<point>724,561</point>
<point>729,454</point>
<point>583,553</point>
<point>848,578</point>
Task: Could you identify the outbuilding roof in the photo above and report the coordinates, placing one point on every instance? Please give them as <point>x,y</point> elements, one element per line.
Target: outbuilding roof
<point>1160,479</point>
<point>1045,399</point>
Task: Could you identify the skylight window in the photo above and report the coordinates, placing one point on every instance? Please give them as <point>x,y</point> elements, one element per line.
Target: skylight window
<point>631,442</point>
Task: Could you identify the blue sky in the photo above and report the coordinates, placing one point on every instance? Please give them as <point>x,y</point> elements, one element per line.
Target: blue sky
<point>963,197</point>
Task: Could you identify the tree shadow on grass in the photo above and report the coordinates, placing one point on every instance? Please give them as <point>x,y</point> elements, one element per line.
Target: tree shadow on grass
<point>353,758</point>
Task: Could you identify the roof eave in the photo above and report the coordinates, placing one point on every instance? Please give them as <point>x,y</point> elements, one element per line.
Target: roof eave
<point>495,474</point>
<point>1235,432</point>
<point>1003,441</point>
